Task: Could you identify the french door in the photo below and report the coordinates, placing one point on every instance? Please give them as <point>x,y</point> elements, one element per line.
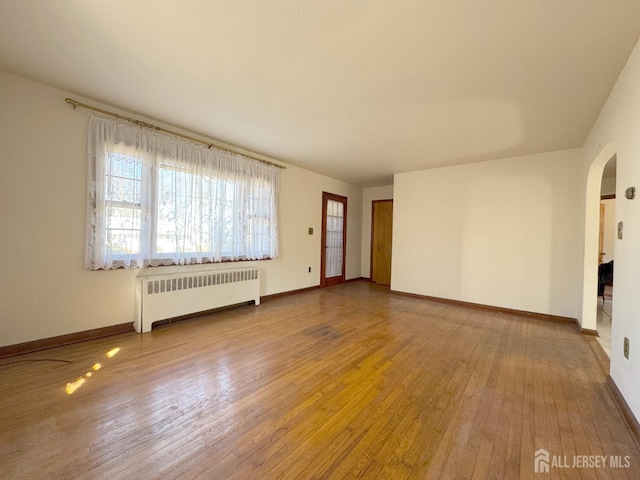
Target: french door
<point>334,239</point>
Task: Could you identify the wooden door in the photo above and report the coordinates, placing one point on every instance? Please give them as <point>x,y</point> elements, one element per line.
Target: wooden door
<point>334,239</point>
<point>381,238</point>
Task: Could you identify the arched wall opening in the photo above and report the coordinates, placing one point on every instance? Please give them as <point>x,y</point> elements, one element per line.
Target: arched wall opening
<point>589,300</point>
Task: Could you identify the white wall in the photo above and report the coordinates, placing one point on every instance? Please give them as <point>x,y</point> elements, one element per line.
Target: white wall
<point>368,196</point>
<point>44,289</point>
<point>610,230</point>
<point>617,131</point>
<point>501,233</point>
<point>608,186</point>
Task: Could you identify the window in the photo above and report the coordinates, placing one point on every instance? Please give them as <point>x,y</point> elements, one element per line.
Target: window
<point>122,202</point>
<point>155,199</point>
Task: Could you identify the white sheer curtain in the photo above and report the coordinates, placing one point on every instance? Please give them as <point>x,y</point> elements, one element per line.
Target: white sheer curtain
<point>156,199</point>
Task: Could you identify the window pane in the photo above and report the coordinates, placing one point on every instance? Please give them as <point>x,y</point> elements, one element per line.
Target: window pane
<point>334,238</point>
<point>126,166</point>
<point>123,217</point>
<point>123,186</point>
<point>123,241</point>
<point>123,190</point>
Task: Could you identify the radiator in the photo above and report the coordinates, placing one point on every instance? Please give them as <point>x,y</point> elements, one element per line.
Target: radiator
<point>161,297</point>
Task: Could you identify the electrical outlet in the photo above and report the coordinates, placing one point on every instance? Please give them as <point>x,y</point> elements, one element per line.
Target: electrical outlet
<point>626,347</point>
<point>620,226</point>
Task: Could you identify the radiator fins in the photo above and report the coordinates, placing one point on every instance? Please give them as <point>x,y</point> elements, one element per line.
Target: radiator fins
<point>200,280</point>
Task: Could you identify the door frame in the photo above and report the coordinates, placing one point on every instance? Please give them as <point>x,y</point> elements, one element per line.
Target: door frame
<point>323,241</point>
<point>371,246</point>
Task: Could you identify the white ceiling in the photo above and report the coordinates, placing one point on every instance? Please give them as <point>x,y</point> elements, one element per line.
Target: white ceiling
<point>354,89</point>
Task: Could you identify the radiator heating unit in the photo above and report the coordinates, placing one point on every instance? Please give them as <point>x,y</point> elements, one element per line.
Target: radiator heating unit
<point>161,297</point>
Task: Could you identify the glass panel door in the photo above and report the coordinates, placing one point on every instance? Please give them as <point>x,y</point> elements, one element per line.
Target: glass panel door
<point>333,236</point>
<point>334,213</point>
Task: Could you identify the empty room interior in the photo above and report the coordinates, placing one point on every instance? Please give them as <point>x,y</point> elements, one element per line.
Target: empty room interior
<point>296,240</point>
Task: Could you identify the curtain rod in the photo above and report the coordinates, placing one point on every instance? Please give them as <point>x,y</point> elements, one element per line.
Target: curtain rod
<point>140,123</point>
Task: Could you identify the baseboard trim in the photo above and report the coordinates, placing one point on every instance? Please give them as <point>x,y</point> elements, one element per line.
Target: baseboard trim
<point>68,339</point>
<point>274,296</point>
<point>490,308</point>
<point>627,414</point>
<point>587,331</point>
<point>61,340</point>
<point>601,356</point>
<point>358,279</point>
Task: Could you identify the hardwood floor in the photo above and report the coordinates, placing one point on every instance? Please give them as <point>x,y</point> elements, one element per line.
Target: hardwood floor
<point>346,382</point>
<point>604,318</point>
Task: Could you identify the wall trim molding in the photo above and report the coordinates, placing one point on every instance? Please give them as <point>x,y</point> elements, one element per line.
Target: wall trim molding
<point>77,337</point>
<point>491,308</point>
<point>52,342</point>
<point>587,331</point>
<point>274,296</point>
<point>623,407</point>
<point>601,356</point>
<point>61,340</point>
<point>358,279</point>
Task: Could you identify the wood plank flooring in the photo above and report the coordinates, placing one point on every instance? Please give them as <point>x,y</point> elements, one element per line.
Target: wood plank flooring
<point>341,383</point>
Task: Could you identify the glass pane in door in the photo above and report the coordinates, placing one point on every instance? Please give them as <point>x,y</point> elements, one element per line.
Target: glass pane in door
<point>335,248</point>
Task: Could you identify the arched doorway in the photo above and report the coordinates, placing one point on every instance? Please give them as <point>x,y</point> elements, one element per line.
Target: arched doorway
<point>589,300</point>
<point>606,254</point>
